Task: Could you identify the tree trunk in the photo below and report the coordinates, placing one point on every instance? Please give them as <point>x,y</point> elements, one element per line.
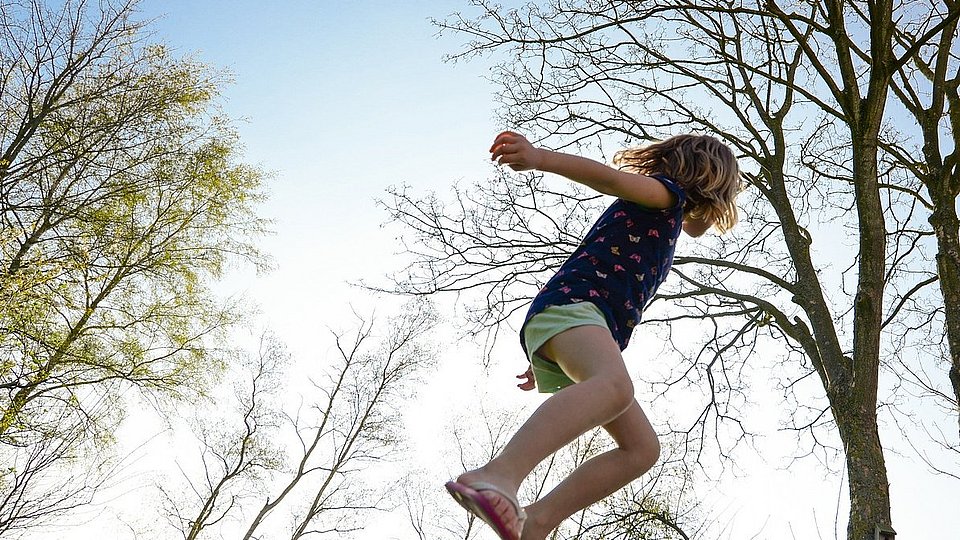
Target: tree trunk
<point>946,226</point>
<point>856,407</point>
<point>866,467</point>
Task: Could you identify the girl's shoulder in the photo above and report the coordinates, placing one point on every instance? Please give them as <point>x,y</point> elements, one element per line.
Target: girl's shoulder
<point>669,182</point>
<point>672,186</point>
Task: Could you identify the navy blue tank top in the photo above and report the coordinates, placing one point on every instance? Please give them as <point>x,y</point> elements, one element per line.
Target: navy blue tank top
<point>619,265</point>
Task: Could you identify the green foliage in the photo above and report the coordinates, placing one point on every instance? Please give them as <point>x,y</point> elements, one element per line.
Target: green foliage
<point>122,198</point>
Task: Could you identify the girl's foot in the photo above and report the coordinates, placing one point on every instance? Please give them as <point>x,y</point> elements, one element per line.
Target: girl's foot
<point>494,503</point>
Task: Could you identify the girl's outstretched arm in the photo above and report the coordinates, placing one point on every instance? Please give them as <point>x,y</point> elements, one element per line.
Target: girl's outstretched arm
<point>515,150</point>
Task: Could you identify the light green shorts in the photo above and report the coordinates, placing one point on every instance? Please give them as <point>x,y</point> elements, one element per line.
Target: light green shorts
<point>548,323</point>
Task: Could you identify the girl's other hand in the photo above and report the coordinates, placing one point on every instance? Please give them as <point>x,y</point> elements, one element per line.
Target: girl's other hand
<point>515,150</point>
<point>529,383</point>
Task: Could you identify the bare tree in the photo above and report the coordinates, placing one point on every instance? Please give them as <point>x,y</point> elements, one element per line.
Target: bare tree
<point>348,422</point>
<point>927,88</point>
<point>800,91</point>
<point>239,450</point>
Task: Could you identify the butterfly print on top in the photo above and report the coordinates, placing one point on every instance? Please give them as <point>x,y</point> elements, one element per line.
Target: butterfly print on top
<point>620,263</point>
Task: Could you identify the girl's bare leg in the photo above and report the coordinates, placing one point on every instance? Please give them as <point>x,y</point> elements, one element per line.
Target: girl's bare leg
<point>638,449</point>
<point>603,393</point>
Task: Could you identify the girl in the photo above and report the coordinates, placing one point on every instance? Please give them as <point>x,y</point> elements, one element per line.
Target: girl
<point>583,317</point>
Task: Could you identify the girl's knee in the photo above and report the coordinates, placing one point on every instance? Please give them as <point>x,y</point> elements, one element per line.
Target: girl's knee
<point>653,452</point>
<point>619,393</point>
<point>645,456</point>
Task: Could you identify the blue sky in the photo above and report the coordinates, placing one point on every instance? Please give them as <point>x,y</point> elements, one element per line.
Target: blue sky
<point>339,100</point>
<point>342,99</point>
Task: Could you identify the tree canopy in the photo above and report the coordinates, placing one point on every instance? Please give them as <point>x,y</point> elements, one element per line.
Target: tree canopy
<point>122,197</point>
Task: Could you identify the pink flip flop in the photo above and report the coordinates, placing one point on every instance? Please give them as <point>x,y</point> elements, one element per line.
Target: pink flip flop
<point>469,497</point>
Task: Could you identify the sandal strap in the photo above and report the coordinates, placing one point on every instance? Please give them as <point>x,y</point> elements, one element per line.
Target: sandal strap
<point>484,486</point>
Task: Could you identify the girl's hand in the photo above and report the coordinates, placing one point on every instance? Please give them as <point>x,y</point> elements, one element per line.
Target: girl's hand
<point>529,383</point>
<point>515,150</point>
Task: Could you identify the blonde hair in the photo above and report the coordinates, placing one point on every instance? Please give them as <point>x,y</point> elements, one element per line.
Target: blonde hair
<point>705,168</point>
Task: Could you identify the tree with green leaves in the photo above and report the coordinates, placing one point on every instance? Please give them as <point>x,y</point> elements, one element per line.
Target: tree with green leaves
<point>830,265</point>
<point>122,197</point>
